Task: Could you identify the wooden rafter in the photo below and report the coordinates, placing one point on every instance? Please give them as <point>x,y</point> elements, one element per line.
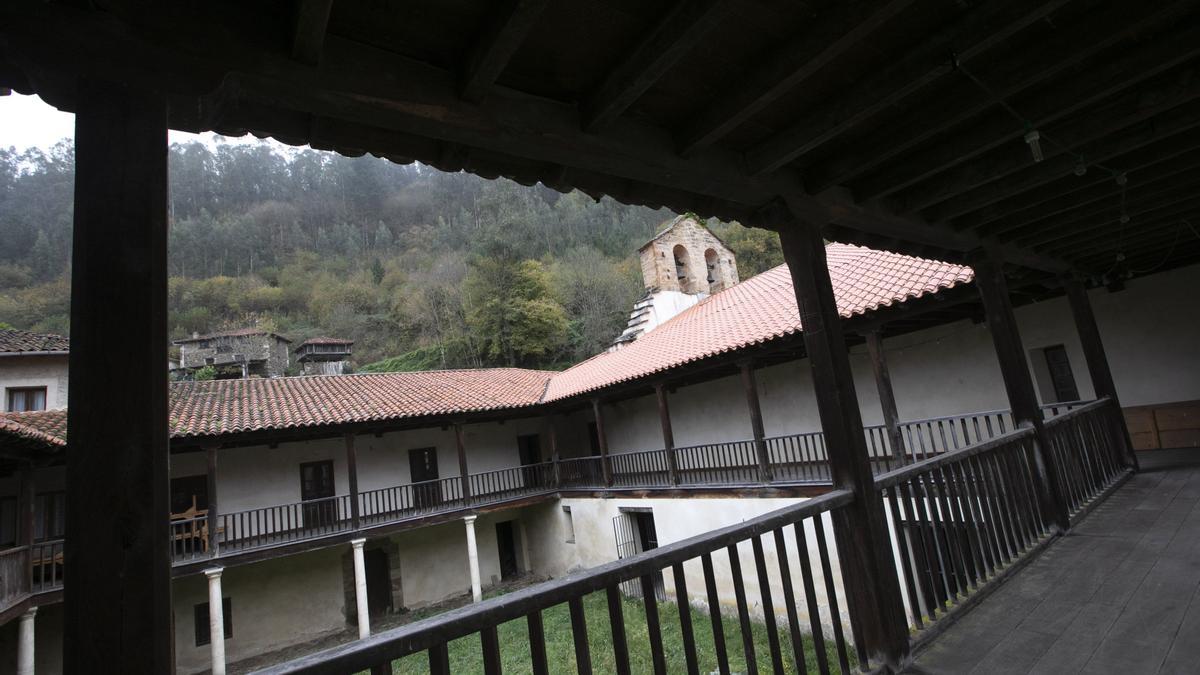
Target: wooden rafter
<point>308,32</point>
<point>1085,88</point>
<point>1095,136</point>
<point>978,31</point>
<point>677,32</point>
<point>500,40</point>
<point>844,27</point>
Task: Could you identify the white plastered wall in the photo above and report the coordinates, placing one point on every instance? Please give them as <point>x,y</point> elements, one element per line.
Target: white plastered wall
<point>35,371</point>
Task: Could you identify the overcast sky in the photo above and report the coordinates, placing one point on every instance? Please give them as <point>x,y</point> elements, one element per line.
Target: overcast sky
<point>26,122</point>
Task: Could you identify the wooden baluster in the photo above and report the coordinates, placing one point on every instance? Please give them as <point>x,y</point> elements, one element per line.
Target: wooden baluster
<point>583,657</point>
<point>683,602</point>
<point>768,608</point>
<point>537,643</point>
<point>714,614</point>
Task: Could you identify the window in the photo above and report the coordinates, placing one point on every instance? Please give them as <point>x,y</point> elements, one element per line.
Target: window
<point>203,636</point>
<point>570,525</point>
<point>681,273</point>
<point>50,516</point>
<point>711,262</point>
<point>1062,381</point>
<point>22,399</point>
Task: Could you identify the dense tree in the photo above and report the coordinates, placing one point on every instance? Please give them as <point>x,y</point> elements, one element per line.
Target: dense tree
<point>431,269</point>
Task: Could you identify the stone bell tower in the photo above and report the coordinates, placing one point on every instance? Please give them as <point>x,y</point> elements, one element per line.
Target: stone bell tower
<point>683,264</point>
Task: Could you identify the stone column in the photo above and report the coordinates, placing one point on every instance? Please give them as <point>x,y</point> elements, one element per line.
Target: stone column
<point>360,589</point>
<point>25,643</point>
<point>473,559</point>
<point>216,620</point>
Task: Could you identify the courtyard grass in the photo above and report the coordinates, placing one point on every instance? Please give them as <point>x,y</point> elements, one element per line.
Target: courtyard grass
<point>466,654</point>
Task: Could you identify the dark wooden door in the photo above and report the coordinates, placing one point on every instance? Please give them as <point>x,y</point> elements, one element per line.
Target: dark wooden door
<point>648,540</point>
<point>529,448</point>
<point>379,582</point>
<point>317,490</point>
<point>506,544</point>
<point>1061,376</point>
<point>423,468</point>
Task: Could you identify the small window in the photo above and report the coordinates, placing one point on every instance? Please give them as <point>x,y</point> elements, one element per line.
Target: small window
<point>203,636</point>
<point>570,525</point>
<point>24,399</point>
<point>1062,380</point>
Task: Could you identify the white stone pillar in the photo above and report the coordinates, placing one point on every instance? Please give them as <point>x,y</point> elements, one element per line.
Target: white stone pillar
<point>216,620</point>
<point>360,589</point>
<point>473,559</point>
<point>25,643</point>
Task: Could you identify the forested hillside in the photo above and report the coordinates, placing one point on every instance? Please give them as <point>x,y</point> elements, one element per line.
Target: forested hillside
<point>422,268</point>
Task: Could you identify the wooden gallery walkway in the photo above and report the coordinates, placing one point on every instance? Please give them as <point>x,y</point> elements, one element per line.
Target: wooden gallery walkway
<point>1119,594</point>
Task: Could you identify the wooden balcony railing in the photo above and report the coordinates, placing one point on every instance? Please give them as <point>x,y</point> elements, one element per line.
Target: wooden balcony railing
<point>789,534</point>
<point>46,565</point>
<point>961,518</point>
<point>14,575</point>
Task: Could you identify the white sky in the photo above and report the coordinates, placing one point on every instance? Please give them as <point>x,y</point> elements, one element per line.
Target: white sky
<point>26,122</point>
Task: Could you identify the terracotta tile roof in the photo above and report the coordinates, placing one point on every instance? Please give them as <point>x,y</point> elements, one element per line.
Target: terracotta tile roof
<point>16,341</point>
<point>237,332</point>
<point>324,341</point>
<point>757,310</point>
<point>231,406</point>
<point>45,428</point>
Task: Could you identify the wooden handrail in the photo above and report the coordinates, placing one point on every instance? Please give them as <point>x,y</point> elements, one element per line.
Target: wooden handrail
<point>421,635</point>
<point>908,472</point>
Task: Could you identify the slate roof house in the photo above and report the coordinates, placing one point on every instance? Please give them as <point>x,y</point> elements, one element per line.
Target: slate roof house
<point>704,421</point>
<point>33,370</point>
<point>244,352</point>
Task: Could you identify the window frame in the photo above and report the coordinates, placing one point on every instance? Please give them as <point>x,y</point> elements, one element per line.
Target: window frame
<point>8,397</point>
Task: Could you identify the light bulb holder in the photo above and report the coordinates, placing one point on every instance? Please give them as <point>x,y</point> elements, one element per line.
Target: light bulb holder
<point>1080,166</point>
<point>1122,179</point>
<point>1034,140</point>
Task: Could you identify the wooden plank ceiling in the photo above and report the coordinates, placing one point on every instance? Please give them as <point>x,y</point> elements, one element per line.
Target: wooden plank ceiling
<point>899,124</point>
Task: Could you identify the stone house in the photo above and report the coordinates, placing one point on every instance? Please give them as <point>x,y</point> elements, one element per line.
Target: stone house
<point>245,352</point>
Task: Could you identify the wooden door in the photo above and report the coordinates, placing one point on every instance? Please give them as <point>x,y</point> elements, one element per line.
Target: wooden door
<point>317,491</point>
<point>506,545</point>
<point>423,469</point>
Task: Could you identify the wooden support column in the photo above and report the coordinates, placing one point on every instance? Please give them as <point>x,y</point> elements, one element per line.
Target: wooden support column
<point>887,397</point>
<point>664,418</point>
<point>460,441</point>
<point>1018,383</point>
<point>864,545</point>
<point>352,473</point>
<point>117,605</point>
<point>552,437</point>
<point>26,510</point>
<point>214,509</point>
<point>602,441</point>
<point>750,384</point>
<point>1097,359</point>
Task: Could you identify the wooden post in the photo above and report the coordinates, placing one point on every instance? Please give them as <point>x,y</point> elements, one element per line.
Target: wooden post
<point>864,545</point>
<point>1097,359</point>
<point>26,510</point>
<point>117,606</point>
<point>887,397</point>
<point>552,436</point>
<point>602,441</point>
<point>460,442</point>
<point>664,418</point>
<point>750,384</point>
<point>1014,370</point>
<point>352,474</point>
<point>214,512</point>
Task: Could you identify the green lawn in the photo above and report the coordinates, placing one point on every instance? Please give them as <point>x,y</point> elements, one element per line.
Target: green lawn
<point>466,654</point>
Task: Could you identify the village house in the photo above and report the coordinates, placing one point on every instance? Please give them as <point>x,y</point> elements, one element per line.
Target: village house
<point>324,356</point>
<point>244,352</point>
<point>444,483</point>
<point>33,370</point>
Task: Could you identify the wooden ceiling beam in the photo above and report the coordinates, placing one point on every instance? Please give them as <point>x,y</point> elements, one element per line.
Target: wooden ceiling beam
<point>1149,164</point>
<point>684,26</point>
<point>501,38</point>
<point>979,184</point>
<point>1051,57</point>
<point>1168,244</point>
<point>416,103</point>
<point>308,31</point>
<point>843,27</point>
<point>1094,200</point>
<point>1112,229</point>
<point>1079,92</point>
<point>1057,229</point>
<point>981,28</point>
